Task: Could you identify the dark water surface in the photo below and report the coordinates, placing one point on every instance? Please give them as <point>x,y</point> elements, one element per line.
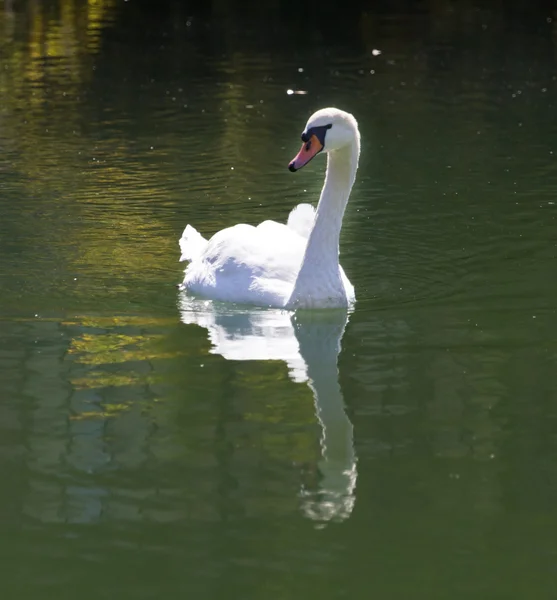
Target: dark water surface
<point>152,446</point>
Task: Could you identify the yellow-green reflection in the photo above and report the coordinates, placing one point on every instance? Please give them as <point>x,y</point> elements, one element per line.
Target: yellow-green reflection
<point>48,49</point>
<point>139,357</point>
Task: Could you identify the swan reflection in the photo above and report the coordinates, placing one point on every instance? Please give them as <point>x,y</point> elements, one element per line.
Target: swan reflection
<point>309,343</point>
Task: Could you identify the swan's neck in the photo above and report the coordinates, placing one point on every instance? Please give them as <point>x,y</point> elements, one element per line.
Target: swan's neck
<point>319,273</point>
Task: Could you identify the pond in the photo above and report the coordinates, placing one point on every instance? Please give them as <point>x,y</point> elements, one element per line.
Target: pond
<point>152,444</point>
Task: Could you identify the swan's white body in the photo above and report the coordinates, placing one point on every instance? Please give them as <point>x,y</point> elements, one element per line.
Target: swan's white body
<point>293,265</point>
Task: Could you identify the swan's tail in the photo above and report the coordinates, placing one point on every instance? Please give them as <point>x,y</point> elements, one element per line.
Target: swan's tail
<point>301,219</point>
<point>192,243</point>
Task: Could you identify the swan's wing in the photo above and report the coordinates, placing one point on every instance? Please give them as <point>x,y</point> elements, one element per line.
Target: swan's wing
<point>301,219</point>
<point>270,250</point>
<point>246,264</point>
<point>192,244</point>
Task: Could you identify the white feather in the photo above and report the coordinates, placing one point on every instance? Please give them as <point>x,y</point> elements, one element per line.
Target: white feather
<point>301,219</point>
<point>192,244</point>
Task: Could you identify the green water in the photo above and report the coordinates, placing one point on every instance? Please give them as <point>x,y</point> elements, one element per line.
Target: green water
<point>152,446</point>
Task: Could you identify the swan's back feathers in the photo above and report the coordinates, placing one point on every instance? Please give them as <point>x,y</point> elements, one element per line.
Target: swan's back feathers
<point>301,219</point>
<point>247,264</point>
<point>192,244</point>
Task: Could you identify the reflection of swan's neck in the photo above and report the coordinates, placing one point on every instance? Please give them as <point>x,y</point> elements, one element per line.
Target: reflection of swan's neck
<point>320,265</point>
<point>320,347</point>
<point>337,438</point>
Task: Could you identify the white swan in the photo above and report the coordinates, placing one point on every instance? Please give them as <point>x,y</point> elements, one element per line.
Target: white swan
<point>285,266</point>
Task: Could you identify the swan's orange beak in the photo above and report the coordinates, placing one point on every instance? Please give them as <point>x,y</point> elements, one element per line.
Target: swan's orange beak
<point>307,152</point>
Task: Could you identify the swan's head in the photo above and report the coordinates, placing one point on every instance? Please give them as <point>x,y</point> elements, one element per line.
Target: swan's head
<point>328,129</point>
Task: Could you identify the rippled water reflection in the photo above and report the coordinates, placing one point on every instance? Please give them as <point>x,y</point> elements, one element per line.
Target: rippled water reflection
<point>151,444</point>
<point>309,343</point>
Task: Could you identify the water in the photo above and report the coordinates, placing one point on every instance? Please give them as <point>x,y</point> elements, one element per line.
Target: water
<point>155,446</point>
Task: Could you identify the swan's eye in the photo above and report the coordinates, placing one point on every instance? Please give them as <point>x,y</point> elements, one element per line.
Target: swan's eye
<point>308,145</point>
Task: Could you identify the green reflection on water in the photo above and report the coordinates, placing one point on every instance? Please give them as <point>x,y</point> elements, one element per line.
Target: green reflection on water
<point>153,447</point>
